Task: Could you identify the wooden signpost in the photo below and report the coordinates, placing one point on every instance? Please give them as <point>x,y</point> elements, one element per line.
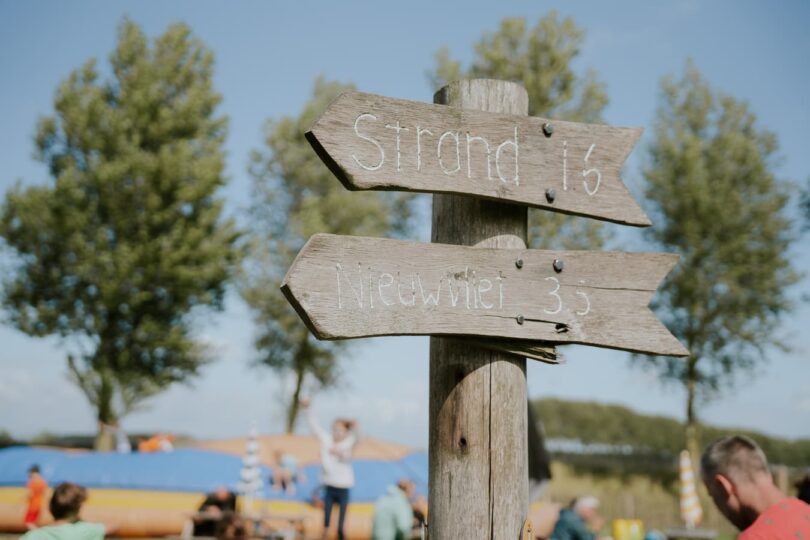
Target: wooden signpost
<point>351,287</point>
<point>375,142</point>
<point>487,301</point>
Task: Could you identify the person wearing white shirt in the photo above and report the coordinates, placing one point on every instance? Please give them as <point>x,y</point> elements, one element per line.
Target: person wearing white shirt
<point>337,473</point>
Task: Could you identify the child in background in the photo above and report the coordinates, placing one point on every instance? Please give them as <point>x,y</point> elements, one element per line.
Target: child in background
<point>37,486</point>
<point>337,473</point>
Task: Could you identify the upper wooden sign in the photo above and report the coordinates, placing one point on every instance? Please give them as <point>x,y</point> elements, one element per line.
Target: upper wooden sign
<point>375,142</point>
<point>350,287</point>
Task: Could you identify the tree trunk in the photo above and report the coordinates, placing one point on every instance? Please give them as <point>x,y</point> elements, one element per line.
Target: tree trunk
<point>292,410</point>
<point>691,431</point>
<point>105,413</point>
<point>478,459</point>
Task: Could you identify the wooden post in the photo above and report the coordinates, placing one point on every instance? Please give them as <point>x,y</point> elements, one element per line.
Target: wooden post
<point>478,438</point>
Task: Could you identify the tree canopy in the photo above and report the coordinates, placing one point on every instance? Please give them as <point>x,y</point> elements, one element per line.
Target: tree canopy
<point>541,59</point>
<point>128,237</point>
<point>294,197</point>
<point>715,200</point>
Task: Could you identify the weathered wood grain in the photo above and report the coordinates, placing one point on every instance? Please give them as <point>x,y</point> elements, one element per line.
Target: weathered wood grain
<point>376,142</point>
<point>478,449</point>
<point>351,287</point>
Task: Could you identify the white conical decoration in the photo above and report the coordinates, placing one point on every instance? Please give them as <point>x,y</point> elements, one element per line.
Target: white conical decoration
<point>250,483</point>
<point>691,512</point>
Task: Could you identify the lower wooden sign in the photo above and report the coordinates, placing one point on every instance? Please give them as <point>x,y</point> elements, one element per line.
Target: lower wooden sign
<point>351,287</point>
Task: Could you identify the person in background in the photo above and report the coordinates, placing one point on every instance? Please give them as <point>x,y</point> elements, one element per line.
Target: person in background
<point>231,527</point>
<point>37,486</point>
<point>337,474</point>
<point>393,513</point>
<point>420,511</point>
<point>65,506</point>
<point>286,473</point>
<point>122,444</point>
<point>736,474</point>
<point>162,442</point>
<point>217,504</point>
<point>581,521</point>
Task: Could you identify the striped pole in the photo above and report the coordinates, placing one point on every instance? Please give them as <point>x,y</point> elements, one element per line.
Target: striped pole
<point>691,512</point>
<point>250,484</point>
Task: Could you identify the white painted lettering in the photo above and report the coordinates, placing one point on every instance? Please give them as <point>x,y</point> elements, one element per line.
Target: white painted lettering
<point>565,165</point>
<point>587,172</point>
<point>358,295</point>
<point>381,286</point>
<point>399,292</point>
<point>453,134</point>
<point>504,144</point>
<point>430,298</point>
<point>397,128</point>
<point>482,289</point>
<point>371,140</point>
<point>556,295</point>
<point>469,157</point>
<point>453,297</point>
<point>419,132</point>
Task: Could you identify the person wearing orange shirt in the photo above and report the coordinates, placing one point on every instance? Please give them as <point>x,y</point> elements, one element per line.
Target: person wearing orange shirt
<point>37,486</point>
<point>738,478</point>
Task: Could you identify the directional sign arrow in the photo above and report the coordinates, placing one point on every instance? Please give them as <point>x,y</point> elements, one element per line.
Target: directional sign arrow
<point>375,142</point>
<point>351,287</point>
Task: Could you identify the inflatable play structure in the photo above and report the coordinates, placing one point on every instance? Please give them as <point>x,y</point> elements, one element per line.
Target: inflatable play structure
<point>154,494</point>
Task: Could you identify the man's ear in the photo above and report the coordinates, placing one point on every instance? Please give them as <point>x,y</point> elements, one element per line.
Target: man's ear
<point>725,483</point>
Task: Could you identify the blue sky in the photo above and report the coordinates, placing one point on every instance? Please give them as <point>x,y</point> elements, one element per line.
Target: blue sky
<point>268,55</point>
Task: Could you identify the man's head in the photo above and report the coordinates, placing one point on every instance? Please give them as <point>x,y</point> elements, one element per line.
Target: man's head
<point>67,500</point>
<point>735,472</point>
<point>586,507</point>
<point>33,469</point>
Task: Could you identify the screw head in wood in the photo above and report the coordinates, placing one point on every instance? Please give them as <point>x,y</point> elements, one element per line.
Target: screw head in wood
<point>548,129</point>
<point>519,319</point>
<point>519,263</point>
<point>558,265</point>
<point>551,195</point>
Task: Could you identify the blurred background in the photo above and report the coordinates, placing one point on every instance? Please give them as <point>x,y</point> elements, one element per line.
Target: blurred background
<point>156,185</point>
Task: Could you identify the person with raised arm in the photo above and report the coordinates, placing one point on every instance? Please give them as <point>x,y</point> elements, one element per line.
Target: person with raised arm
<point>337,473</point>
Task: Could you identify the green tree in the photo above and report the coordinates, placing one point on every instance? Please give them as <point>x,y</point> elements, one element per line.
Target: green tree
<point>715,200</point>
<point>114,253</point>
<point>540,58</point>
<point>295,196</point>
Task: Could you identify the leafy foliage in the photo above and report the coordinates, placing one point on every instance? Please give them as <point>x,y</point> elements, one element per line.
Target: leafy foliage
<point>128,238</point>
<point>541,59</point>
<point>296,196</point>
<point>716,202</point>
